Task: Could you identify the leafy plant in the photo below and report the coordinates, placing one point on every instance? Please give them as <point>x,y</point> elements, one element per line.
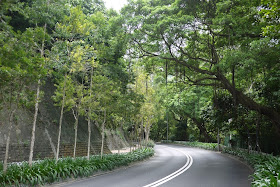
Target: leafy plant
<point>149,143</point>
<point>47,171</point>
<point>209,146</point>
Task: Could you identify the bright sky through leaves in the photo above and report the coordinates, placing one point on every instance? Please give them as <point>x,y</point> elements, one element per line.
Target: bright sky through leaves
<point>115,4</point>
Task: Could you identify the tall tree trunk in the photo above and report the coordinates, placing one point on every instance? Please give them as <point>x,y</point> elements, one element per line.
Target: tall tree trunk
<point>76,131</point>
<point>5,165</point>
<point>147,134</point>
<point>36,104</point>
<point>103,129</point>
<point>248,140</point>
<point>147,130</point>
<point>136,135</point>
<point>166,81</point>
<point>233,85</point>
<point>60,120</point>
<point>142,133</point>
<point>89,136</point>
<point>258,134</point>
<point>89,113</point>
<point>218,139</point>
<point>34,124</point>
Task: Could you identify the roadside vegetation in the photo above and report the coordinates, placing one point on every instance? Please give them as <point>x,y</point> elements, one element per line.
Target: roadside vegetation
<point>48,171</point>
<point>266,166</point>
<point>209,146</point>
<point>149,143</point>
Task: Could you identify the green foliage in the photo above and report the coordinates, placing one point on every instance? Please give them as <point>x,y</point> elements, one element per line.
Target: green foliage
<point>209,146</point>
<point>41,12</point>
<point>67,86</point>
<point>47,171</point>
<point>270,11</point>
<point>89,6</point>
<point>149,143</point>
<point>267,167</point>
<point>218,44</point>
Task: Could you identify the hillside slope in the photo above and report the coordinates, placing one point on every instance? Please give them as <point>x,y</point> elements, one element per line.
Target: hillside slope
<point>46,132</point>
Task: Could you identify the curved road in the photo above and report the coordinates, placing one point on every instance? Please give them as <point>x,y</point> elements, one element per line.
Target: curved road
<point>175,166</point>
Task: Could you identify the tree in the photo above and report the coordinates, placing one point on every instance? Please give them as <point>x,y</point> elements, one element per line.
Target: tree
<point>78,97</point>
<point>71,54</point>
<point>197,34</point>
<point>32,19</point>
<point>63,97</point>
<point>150,111</point>
<point>270,11</point>
<point>22,63</point>
<point>42,72</point>
<point>89,111</point>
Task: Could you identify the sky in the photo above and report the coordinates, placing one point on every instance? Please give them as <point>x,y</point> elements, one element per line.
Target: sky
<point>115,4</point>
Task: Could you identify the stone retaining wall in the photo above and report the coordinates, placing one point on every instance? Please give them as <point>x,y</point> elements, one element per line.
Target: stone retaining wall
<point>20,152</point>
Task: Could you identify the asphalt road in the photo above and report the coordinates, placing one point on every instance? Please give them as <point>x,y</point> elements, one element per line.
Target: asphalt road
<point>175,166</point>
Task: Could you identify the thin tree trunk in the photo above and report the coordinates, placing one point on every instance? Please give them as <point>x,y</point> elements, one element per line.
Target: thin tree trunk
<point>136,136</point>
<point>89,134</point>
<point>147,134</point>
<point>89,113</point>
<point>119,147</point>
<point>147,131</point>
<point>142,133</point>
<point>60,120</point>
<point>218,139</point>
<point>5,165</point>
<point>76,132</point>
<point>130,140</point>
<point>34,124</point>
<point>248,139</point>
<point>258,134</point>
<point>130,146</point>
<point>36,105</point>
<point>166,81</point>
<point>102,140</point>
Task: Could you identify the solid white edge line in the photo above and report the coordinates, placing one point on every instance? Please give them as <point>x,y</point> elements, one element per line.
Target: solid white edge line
<point>174,174</point>
<point>170,175</point>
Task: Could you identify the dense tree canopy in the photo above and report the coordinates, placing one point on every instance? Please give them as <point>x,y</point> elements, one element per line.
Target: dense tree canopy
<point>228,46</point>
<point>184,69</point>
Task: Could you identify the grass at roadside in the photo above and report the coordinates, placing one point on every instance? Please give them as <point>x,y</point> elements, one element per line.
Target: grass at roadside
<point>46,171</point>
<point>266,167</point>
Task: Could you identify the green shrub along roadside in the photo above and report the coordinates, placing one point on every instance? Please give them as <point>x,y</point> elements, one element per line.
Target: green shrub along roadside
<point>47,171</point>
<point>208,146</point>
<point>266,167</point>
<point>149,143</point>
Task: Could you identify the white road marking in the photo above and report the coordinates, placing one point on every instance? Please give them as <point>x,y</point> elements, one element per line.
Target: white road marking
<point>174,174</point>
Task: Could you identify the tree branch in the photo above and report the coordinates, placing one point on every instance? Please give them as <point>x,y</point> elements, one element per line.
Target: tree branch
<point>197,69</point>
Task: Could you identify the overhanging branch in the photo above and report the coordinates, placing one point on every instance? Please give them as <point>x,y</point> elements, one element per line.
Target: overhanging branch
<point>196,69</point>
